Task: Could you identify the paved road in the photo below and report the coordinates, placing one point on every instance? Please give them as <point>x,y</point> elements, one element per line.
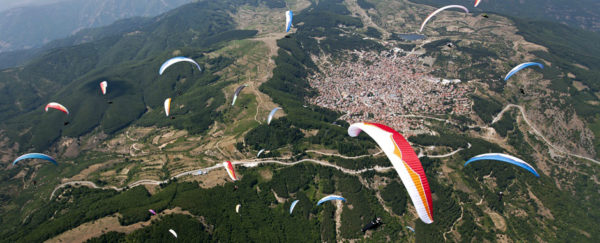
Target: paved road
<point>247,163</point>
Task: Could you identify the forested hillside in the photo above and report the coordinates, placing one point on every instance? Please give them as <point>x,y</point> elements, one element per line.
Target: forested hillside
<point>60,19</point>
<point>578,14</point>
<point>119,156</point>
<point>71,75</point>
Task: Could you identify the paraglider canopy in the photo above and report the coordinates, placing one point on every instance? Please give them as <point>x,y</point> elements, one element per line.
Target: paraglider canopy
<point>57,106</point>
<point>329,198</point>
<point>174,60</point>
<point>288,20</point>
<point>173,232</point>
<point>405,161</point>
<point>236,93</point>
<point>103,86</point>
<point>167,106</point>
<point>237,208</point>
<point>229,168</point>
<point>440,10</point>
<point>520,67</point>
<point>35,156</point>
<point>293,205</point>
<point>272,114</point>
<point>504,158</point>
<point>260,152</point>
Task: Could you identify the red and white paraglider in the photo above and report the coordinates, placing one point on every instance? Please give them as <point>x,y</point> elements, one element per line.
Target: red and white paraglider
<point>229,168</point>
<point>103,86</point>
<point>57,106</point>
<point>405,161</point>
<point>167,106</point>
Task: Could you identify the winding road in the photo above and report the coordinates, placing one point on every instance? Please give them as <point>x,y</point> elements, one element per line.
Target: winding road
<point>256,162</point>
<point>248,163</point>
<point>251,163</point>
<point>343,156</point>
<point>442,155</point>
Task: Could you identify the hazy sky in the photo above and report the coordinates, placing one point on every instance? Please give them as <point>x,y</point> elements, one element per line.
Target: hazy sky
<point>7,4</point>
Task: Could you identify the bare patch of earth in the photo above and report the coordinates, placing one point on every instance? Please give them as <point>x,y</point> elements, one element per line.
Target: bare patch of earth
<point>498,220</point>
<point>83,175</point>
<point>579,85</point>
<point>279,199</point>
<point>212,179</point>
<point>266,174</point>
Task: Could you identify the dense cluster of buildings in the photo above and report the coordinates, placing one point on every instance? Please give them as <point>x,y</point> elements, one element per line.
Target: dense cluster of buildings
<point>382,87</point>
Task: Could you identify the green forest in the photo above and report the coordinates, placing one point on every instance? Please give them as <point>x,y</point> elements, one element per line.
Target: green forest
<point>70,76</point>
<point>466,199</point>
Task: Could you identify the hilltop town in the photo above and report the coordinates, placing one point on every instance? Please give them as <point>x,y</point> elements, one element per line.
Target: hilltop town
<point>381,87</point>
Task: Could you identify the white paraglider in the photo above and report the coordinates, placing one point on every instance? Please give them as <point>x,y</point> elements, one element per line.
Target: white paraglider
<point>272,114</point>
<point>440,10</point>
<point>174,60</point>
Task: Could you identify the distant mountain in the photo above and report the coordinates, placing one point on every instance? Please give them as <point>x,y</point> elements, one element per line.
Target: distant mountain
<point>119,27</point>
<point>581,13</point>
<point>10,4</point>
<point>29,27</point>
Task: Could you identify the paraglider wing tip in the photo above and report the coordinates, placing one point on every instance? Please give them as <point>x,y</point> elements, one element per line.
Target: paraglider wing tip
<point>354,130</point>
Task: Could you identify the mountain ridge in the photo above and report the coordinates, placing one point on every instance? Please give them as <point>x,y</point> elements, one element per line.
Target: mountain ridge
<point>57,20</point>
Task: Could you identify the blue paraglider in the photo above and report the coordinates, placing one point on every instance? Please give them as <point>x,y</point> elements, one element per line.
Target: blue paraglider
<point>521,66</point>
<point>288,20</point>
<point>293,206</point>
<point>504,158</point>
<point>329,198</point>
<point>35,156</point>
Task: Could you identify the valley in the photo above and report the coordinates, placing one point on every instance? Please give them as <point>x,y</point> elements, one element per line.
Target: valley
<point>342,62</point>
